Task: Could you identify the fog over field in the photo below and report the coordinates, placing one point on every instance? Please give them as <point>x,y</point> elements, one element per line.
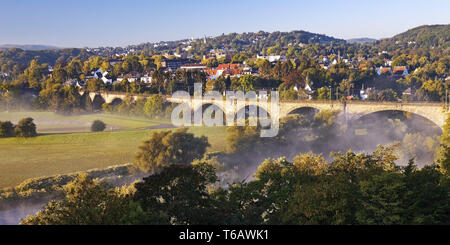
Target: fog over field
<point>414,136</point>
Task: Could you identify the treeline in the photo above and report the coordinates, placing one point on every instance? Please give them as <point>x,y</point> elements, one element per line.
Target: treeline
<point>14,61</point>
<point>25,129</point>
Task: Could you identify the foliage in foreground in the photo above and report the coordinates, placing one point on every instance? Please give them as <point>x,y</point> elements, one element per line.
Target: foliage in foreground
<point>350,189</point>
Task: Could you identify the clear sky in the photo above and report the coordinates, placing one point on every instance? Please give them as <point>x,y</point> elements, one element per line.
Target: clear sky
<point>93,23</point>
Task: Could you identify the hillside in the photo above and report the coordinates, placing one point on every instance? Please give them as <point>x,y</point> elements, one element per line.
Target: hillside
<point>424,36</point>
<point>244,42</point>
<point>19,58</point>
<point>28,47</point>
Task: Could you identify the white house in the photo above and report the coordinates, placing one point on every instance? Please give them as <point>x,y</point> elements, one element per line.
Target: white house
<point>105,78</point>
<point>146,79</point>
<point>95,73</point>
<point>272,58</point>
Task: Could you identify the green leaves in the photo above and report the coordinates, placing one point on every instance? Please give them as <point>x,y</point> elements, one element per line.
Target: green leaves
<point>170,148</point>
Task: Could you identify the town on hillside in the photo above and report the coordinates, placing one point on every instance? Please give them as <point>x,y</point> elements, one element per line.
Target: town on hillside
<point>301,65</point>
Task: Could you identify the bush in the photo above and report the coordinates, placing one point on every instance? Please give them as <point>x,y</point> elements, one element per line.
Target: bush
<point>25,128</point>
<point>98,126</point>
<point>6,129</point>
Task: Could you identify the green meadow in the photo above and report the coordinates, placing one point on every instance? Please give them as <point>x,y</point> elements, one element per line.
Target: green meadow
<point>65,145</point>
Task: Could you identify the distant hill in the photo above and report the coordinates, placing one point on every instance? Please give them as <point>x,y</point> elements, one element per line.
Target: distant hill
<point>253,41</point>
<point>28,47</point>
<point>10,57</point>
<point>424,36</point>
<point>361,40</point>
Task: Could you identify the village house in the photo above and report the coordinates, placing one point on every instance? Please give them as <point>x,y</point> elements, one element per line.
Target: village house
<point>192,67</point>
<point>173,65</point>
<point>364,93</point>
<point>272,58</point>
<point>147,78</point>
<point>228,70</point>
<point>106,78</point>
<point>131,77</point>
<point>113,62</point>
<point>74,82</point>
<point>323,66</point>
<point>307,91</point>
<point>95,73</point>
<point>231,70</point>
<point>409,93</point>
<point>384,70</point>
<point>399,72</point>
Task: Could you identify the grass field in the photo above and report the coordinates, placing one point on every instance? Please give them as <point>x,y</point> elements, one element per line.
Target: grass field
<point>62,153</point>
<point>48,122</point>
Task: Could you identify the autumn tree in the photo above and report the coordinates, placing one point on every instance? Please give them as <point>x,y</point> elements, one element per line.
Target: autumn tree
<point>180,192</point>
<point>25,128</point>
<point>167,148</point>
<point>85,202</point>
<point>6,129</point>
<point>154,106</point>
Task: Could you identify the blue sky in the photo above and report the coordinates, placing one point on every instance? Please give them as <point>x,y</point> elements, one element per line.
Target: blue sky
<point>81,23</point>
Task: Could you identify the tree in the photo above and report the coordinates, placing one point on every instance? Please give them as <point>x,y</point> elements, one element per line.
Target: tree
<point>25,128</point>
<point>431,90</point>
<point>94,85</point>
<point>74,69</point>
<point>289,94</point>
<point>323,93</point>
<point>387,95</point>
<point>86,202</point>
<point>265,68</point>
<point>242,138</point>
<point>180,192</point>
<point>170,148</point>
<point>6,129</point>
<point>295,78</point>
<point>154,106</point>
<point>98,126</point>
<point>34,74</point>
<point>216,85</point>
<point>211,62</point>
<point>443,152</point>
<point>246,83</point>
<point>346,86</point>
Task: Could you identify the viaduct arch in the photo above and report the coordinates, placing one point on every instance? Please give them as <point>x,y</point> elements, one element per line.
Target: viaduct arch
<point>435,112</point>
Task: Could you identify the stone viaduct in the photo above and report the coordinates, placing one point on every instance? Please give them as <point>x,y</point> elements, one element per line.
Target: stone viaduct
<point>435,112</point>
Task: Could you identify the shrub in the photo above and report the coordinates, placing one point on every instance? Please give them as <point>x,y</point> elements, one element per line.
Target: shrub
<point>25,128</point>
<point>6,129</point>
<point>98,126</point>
